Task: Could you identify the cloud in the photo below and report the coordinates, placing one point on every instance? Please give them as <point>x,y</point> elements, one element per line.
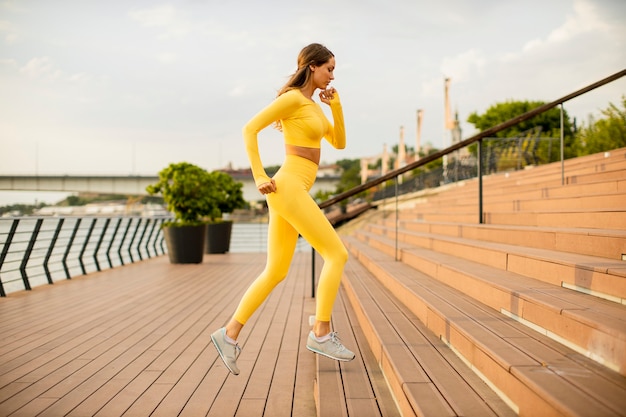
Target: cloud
<point>166,58</point>
<point>8,63</point>
<point>237,91</point>
<point>8,29</point>
<point>584,20</point>
<point>11,6</point>
<point>43,68</point>
<point>79,77</point>
<point>465,65</point>
<point>168,19</point>
<point>38,68</point>
<point>461,68</point>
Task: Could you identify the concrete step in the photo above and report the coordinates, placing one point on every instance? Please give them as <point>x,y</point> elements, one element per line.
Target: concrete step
<point>586,219</point>
<point>499,276</point>
<point>605,243</point>
<point>466,192</point>
<point>577,170</point>
<point>534,374</point>
<point>591,219</point>
<point>425,375</point>
<point>600,276</point>
<point>529,204</point>
<point>538,182</point>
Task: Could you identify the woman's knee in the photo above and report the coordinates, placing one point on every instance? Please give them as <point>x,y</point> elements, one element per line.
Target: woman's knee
<point>343,255</point>
<point>275,279</point>
<point>337,255</point>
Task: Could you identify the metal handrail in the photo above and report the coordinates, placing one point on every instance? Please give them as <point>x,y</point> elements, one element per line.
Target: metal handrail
<point>38,250</point>
<point>485,133</point>
<point>462,144</point>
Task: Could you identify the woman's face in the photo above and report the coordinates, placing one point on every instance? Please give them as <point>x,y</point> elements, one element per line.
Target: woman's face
<point>323,75</point>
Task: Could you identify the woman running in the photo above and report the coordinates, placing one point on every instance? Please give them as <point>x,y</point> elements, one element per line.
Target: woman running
<point>292,210</point>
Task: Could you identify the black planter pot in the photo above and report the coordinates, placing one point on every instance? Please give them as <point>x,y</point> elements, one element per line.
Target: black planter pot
<point>218,237</point>
<point>185,244</point>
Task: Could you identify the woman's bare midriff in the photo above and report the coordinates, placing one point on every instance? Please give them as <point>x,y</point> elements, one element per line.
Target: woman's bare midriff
<point>312,154</point>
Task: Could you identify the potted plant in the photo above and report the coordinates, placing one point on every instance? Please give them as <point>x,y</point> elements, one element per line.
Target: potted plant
<point>227,196</point>
<point>195,197</point>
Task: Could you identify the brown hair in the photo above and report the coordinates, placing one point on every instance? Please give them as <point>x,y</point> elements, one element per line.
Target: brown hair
<point>313,54</point>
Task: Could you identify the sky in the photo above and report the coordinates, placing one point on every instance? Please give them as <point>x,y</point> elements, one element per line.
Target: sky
<point>125,88</point>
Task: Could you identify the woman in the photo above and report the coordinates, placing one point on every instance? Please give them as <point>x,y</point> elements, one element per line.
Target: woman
<point>292,211</point>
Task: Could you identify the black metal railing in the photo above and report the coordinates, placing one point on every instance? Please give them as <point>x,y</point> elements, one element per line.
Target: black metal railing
<point>478,138</point>
<point>40,250</point>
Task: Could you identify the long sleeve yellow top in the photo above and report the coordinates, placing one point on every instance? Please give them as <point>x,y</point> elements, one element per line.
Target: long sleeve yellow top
<point>303,124</point>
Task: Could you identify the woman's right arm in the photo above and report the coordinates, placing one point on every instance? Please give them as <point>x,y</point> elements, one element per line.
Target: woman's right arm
<point>283,106</point>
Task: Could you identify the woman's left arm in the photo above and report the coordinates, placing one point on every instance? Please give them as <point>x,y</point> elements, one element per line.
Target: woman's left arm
<point>336,135</point>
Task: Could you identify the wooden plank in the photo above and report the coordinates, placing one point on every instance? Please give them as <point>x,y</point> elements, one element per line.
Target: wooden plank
<point>158,335</point>
<point>136,338</point>
<point>251,407</point>
<point>354,385</point>
<point>280,398</point>
<point>128,395</point>
<point>384,400</point>
<point>331,401</point>
<point>251,339</point>
<point>100,369</point>
<point>357,388</point>
<point>303,399</point>
<point>45,335</point>
<point>260,379</point>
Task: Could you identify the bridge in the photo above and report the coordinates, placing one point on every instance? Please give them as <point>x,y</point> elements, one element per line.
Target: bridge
<point>126,185</point>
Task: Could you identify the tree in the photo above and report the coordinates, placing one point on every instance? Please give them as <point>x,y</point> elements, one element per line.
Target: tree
<point>407,149</point>
<point>350,175</point>
<point>322,195</point>
<point>20,209</point>
<point>549,122</point>
<point>604,134</point>
<point>350,178</point>
<point>271,170</point>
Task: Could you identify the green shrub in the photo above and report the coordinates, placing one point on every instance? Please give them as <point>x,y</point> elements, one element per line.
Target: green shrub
<point>195,196</point>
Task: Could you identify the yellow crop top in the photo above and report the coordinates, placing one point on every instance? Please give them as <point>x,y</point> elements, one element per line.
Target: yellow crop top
<point>303,124</point>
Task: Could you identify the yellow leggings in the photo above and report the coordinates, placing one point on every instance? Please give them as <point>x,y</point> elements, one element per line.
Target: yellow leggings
<point>292,211</point>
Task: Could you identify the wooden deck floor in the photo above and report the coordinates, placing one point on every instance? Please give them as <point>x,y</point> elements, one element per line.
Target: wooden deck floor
<point>135,341</point>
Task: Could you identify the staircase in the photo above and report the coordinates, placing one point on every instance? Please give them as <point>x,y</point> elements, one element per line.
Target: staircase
<point>524,314</point>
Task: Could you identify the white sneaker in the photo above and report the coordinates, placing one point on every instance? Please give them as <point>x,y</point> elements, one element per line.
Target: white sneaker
<point>331,348</point>
<point>228,352</point>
